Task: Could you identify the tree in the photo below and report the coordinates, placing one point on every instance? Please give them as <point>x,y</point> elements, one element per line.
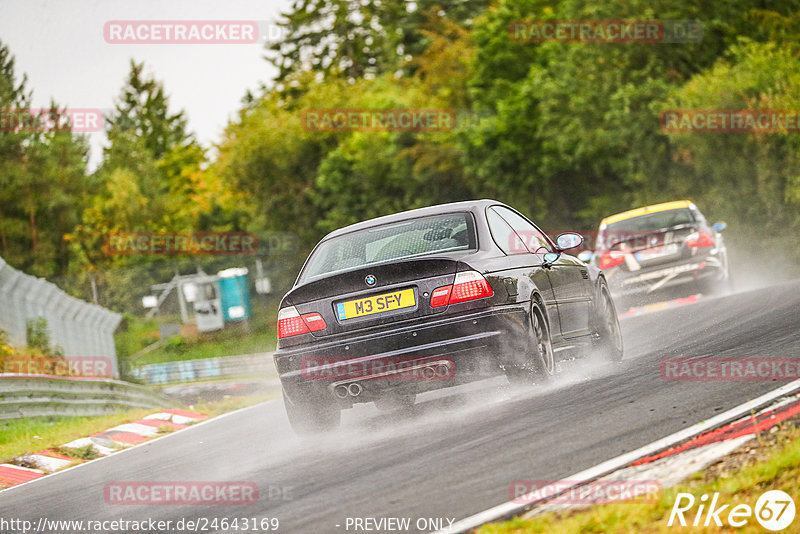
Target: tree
<point>43,182</point>
<point>147,166</point>
<point>269,157</point>
<point>151,180</point>
<point>142,111</point>
<point>749,179</point>
<point>576,134</point>
<point>360,39</point>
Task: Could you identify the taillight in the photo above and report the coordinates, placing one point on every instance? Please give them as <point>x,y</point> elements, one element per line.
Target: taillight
<point>291,323</point>
<point>314,321</point>
<point>441,296</point>
<point>468,285</point>
<point>700,239</point>
<point>611,258</point>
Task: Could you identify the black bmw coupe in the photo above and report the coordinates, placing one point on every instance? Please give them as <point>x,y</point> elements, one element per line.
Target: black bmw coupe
<point>430,298</point>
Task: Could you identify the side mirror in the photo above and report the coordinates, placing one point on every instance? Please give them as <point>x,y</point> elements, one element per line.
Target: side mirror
<point>568,240</point>
<point>718,226</point>
<point>550,258</point>
<point>586,256</point>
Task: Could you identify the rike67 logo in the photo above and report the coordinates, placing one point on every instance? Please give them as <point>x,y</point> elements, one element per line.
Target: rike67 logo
<point>774,510</point>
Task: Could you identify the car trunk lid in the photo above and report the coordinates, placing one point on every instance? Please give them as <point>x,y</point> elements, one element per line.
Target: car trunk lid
<point>374,295</point>
<point>654,247</point>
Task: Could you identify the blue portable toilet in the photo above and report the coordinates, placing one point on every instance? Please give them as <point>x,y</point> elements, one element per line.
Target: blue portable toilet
<point>234,294</point>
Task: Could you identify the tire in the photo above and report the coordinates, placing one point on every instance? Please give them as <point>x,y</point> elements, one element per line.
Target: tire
<point>609,345</point>
<point>540,365</point>
<point>308,418</point>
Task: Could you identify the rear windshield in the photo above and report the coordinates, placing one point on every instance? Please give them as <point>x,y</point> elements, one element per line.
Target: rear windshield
<point>653,221</point>
<point>390,242</point>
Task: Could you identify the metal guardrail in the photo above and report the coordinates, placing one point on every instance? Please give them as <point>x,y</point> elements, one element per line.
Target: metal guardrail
<point>206,369</point>
<point>29,396</point>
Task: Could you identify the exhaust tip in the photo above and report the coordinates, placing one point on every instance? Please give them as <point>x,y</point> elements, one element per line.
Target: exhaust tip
<point>341,391</point>
<point>354,389</point>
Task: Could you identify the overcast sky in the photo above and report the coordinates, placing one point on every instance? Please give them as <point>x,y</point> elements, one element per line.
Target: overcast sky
<point>60,45</point>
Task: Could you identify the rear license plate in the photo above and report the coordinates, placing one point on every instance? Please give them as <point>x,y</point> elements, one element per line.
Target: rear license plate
<point>657,252</point>
<point>395,300</point>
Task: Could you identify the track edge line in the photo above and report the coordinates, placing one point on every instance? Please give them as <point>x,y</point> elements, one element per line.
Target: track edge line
<point>510,509</point>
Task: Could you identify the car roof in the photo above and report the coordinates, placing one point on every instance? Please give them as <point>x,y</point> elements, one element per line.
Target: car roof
<point>665,206</point>
<point>467,205</point>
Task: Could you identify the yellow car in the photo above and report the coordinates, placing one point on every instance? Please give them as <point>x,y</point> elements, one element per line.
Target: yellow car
<point>650,249</point>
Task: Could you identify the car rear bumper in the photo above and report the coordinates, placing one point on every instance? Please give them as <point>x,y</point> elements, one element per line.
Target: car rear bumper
<point>665,276</point>
<point>433,354</point>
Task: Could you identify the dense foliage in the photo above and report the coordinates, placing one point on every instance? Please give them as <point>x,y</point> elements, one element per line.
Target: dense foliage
<point>566,132</point>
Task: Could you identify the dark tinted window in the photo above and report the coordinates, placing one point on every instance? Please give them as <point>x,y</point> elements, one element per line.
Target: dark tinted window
<point>660,220</point>
<point>395,241</point>
<point>534,239</point>
<point>506,238</point>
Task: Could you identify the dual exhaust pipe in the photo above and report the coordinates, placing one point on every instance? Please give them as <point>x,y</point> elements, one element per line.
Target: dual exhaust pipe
<point>428,370</point>
<point>353,389</point>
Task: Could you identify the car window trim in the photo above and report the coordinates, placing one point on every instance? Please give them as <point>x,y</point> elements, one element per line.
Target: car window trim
<point>549,241</point>
<point>489,227</point>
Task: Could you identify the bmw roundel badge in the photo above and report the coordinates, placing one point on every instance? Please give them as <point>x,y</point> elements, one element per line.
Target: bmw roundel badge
<point>370,280</point>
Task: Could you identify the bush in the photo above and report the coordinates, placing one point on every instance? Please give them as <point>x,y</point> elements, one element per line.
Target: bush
<point>5,348</point>
<point>36,334</point>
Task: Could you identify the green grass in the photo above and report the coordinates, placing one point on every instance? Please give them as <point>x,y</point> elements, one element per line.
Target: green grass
<point>259,336</point>
<point>134,334</point>
<point>226,343</point>
<point>33,434</point>
<point>780,470</point>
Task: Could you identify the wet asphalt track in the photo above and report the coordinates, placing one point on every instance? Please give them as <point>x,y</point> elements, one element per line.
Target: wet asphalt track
<point>459,453</point>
